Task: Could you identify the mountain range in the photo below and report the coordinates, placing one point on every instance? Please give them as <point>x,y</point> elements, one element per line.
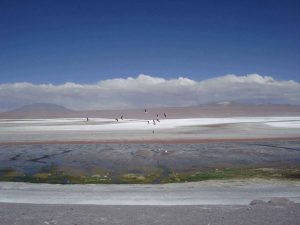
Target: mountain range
<point>225,109</point>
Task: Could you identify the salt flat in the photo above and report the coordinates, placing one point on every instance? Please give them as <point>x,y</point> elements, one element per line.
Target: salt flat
<point>103,129</point>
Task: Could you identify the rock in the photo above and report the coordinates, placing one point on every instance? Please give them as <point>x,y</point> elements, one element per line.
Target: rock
<point>257,202</point>
<point>280,201</point>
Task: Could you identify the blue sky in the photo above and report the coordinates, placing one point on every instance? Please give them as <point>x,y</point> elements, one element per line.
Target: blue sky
<point>88,41</point>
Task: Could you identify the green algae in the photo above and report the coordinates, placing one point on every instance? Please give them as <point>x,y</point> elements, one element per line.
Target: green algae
<point>56,175</point>
<point>234,173</point>
<point>132,178</point>
<point>10,175</point>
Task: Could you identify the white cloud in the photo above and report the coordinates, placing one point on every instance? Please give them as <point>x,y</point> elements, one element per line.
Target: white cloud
<point>146,91</point>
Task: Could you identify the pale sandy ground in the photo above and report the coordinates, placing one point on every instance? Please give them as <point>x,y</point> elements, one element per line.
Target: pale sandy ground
<point>231,192</point>
<point>221,202</point>
<point>273,213</point>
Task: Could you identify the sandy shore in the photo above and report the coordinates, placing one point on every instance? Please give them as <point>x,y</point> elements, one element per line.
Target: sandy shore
<point>231,192</point>
<point>273,213</point>
<point>154,141</point>
<point>221,202</point>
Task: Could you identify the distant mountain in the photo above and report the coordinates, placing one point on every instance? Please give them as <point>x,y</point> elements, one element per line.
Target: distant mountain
<point>41,108</point>
<point>222,109</point>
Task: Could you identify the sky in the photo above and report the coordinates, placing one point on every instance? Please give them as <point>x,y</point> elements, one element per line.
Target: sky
<point>88,42</point>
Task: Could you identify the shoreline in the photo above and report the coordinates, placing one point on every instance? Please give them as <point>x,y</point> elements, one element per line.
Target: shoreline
<point>225,192</point>
<point>151,141</point>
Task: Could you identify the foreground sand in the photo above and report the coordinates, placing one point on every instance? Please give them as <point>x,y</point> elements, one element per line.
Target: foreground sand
<point>219,203</point>
<point>231,192</point>
<point>273,213</point>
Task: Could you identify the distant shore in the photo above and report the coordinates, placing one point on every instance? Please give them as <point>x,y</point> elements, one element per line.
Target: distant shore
<point>188,130</point>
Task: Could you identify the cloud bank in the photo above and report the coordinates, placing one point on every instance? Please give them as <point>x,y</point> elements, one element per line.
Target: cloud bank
<point>149,91</point>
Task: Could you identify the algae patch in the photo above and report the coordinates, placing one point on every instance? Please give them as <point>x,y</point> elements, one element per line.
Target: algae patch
<point>11,175</point>
<point>234,173</point>
<point>56,175</point>
<point>131,178</point>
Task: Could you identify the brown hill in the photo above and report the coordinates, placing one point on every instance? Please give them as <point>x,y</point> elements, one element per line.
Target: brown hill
<point>39,111</point>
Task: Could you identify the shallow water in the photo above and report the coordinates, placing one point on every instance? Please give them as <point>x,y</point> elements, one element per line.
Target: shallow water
<point>90,159</point>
